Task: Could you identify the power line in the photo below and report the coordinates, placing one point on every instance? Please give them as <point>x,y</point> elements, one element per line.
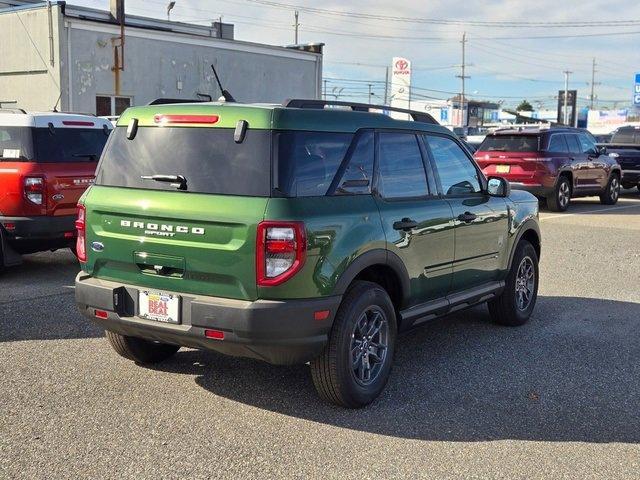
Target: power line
<point>435,21</point>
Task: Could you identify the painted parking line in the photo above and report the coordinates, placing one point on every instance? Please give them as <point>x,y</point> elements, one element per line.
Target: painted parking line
<point>564,215</point>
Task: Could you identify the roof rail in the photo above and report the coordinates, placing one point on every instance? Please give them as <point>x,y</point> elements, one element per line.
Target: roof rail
<point>167,101</point>
<point>357,107</point>
<point>11,110</point>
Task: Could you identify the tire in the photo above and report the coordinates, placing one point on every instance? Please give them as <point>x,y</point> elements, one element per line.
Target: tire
<point>364,306</point>
<point>507,309</point>
<point>559,200</point>
<point>140,350</point>
<point>611,193</point>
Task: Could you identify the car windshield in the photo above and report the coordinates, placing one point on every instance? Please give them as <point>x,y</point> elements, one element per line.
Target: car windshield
<point>67,145</point>
<point>209,160</point>
<point>509,143</point>
<point>16,144</point>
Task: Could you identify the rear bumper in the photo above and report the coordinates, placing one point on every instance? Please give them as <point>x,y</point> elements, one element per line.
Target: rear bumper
<point>42,227</point>
<point>538,190</point>
<point>278,332</point>
<point>631,177</point>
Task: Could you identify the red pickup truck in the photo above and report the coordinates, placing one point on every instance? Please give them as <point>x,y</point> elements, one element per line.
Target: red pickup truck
<point>47,160</point>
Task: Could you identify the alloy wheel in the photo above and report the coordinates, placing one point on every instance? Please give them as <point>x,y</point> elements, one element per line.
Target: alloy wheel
<point>614,191</point>
<point>369,345</point>
<point>564,194</point>
<point>525,283</point>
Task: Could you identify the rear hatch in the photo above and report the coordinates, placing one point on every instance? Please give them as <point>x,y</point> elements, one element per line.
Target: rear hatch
<point>50,167</point>
<point>513,156</point>
<point>176,207</point>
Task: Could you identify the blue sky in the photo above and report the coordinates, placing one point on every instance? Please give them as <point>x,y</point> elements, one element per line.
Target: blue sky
<point>506,62</point>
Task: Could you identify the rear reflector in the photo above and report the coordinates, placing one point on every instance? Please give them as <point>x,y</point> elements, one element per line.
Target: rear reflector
<point>321,315</point>
<point>103,314</point>
<point>166,119</point>
<point>10,227</point>
<point>215,334</point>
<point>69,234</point>
<point>77,123</point>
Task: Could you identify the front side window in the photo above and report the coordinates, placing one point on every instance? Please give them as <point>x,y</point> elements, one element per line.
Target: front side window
<point>574,144</point>
<point>557,143</point>
<point>401,171</point>
<point>587,144</point>
<point>308,161</point>
<point>458,175</point>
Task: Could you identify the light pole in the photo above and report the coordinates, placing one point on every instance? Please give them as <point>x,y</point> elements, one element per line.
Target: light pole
<point>169,8</point>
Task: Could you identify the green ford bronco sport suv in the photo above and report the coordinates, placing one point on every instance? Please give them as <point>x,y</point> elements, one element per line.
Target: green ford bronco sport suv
<point>296,233</point>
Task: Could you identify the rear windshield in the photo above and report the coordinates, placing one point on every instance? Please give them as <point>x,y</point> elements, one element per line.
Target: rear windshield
<point>209,159</point>
<point>15,144</point>
<point>509,143</point>
<point>67,145</point>
<point>626,135</point>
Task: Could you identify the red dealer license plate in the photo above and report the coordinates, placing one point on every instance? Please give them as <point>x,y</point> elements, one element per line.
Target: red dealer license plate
<point>158,306</point>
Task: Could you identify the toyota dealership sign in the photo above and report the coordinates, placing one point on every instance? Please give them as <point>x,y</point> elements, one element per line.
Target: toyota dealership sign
<point>400,85</point>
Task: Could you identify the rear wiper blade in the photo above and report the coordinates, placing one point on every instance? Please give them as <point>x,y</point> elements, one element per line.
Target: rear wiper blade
<point>91,156</point>
<point>177,181</point>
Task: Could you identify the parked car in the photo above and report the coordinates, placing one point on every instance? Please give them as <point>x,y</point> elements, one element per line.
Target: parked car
<point>47,160</point>
<point>296,234</point>
<point>625,148</point>
<point>555,164</point>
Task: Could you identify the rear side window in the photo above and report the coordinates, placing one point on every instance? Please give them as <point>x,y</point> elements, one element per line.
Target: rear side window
<point>308,161</point>
<point>510,143</point>
<point>209,159</point>
<point>66,145</point>
<point>400,166</point>
<point>16,144</point>
<point>557,143</point>
<point>626,135</point>
<point>358,176</point>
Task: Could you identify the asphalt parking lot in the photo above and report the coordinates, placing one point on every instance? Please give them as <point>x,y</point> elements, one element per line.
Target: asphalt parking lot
<point>557,398</point>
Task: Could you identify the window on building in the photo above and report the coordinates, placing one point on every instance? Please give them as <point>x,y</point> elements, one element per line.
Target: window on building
<point>111,105</point>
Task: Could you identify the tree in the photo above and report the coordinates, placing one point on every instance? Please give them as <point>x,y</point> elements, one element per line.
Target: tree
<point>524,107</point>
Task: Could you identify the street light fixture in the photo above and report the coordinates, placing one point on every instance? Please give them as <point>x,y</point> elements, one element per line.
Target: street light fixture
<point>169,8</point>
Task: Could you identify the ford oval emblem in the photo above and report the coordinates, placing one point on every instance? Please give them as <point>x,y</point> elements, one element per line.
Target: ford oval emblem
<point>97,246</point>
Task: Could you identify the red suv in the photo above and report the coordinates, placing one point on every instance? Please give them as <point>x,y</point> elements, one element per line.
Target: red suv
<point>47,160</point>
<point>555,164</point>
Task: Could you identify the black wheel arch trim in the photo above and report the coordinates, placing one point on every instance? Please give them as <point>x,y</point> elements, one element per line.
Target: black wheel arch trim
<point>368,259</point>
<point>528,225</point>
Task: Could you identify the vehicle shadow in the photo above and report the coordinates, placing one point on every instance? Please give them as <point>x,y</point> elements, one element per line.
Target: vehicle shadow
<point>570,374</point>
<point>36,300</point>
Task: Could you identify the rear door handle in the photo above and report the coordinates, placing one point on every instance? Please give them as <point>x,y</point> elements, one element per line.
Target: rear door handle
<point>467,217</point>
<point>405,224</point>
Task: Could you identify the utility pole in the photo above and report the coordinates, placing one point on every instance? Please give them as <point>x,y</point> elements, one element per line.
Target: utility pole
<point>369,97</point>
<point>386,85</point>
<point>296,25</point>
<point>325,89</point>
<point>593,84</point>
<point>463,77</point>
<point>565,120</point>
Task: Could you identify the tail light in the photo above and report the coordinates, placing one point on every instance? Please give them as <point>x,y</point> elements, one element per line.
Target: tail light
<point>81,227</point>
<point>280,251</point>
<point>34,190</point>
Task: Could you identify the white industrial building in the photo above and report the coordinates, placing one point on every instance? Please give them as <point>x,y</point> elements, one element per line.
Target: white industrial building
<point>53,54</point>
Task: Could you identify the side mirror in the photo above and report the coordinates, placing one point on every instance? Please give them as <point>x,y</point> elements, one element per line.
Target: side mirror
<point>601,150</point>
<point>498,187</point>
